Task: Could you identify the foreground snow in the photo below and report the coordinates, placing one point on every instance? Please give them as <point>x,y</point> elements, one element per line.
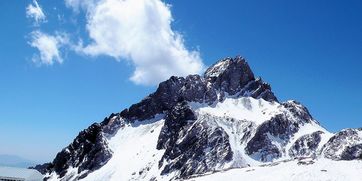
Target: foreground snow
<point>321,170</point>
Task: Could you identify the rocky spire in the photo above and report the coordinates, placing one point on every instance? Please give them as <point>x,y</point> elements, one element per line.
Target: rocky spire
<point>234,77</point>
<point>230,75</point>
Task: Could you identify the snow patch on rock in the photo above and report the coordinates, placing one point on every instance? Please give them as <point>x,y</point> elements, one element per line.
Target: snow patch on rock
<point>243,108</point>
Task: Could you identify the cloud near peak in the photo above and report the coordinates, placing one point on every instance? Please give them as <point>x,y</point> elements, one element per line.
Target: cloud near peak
<point>137,31</point>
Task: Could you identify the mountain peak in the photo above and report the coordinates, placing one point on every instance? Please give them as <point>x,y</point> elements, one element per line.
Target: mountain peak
<point>228,77</point>
<point>230,74</point>
<point>228,64</point>
<point>235,77</point>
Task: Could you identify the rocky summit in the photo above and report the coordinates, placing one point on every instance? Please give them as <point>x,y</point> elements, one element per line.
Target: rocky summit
<point>201,124</point>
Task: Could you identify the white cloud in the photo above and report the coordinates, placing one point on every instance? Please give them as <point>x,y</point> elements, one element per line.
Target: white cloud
<point>76,5</point>
<point>48,47</point>
<point>34,11</point>
<point>139,31</point>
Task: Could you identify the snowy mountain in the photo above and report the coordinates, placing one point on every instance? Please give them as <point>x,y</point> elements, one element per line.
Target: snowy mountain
<point>225,122</point>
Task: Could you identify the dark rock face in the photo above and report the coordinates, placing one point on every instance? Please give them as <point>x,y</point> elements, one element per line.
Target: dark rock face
<point>278,130</point>
<point>88,152</point>
<point>306,145</point>
<point>352,153</point>
<point>168,94</point>
<point>179,118</point>
<point>343,145</point>
<point>259,89</point>
<point>199,148</point>
<point>229,75</point>
<point>271,136</point>
<point>111,124</point>
<point>43,168</point>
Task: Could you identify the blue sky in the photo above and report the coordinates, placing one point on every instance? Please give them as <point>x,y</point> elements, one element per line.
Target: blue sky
<point>310,51</point>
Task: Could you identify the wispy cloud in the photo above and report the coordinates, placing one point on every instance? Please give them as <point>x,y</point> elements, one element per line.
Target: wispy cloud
<point>139,31</point>
<point>35,12</point>
<point>48,47</point>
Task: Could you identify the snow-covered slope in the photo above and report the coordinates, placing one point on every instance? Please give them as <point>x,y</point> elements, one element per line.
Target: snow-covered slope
<point>135,155</point>
<point>316,170</point>
<point>224,120</point>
